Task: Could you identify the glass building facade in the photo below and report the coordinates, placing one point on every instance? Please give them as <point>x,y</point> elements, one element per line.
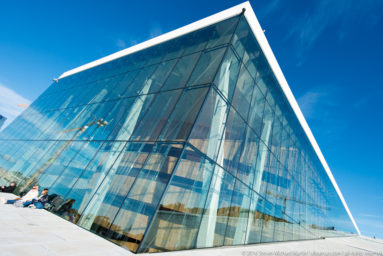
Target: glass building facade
<point>190,143</point>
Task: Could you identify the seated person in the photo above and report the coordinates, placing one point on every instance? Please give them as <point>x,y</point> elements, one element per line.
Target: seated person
<point>66,210</point>
<point>66,207</point>
<point>32,194</point>
<point>8,189</point>
<point>39,202</point>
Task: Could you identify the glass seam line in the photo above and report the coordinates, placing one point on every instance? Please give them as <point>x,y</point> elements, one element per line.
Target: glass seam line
<point>173,173</point>
<point>147,157</point>
<point>71,160</point>
<point>123,144</point>
<point>127,194</point>
<point>213,171</point>
<point>178,160</point>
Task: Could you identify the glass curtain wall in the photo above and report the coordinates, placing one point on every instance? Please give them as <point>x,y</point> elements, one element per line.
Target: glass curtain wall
<point>187,144</point>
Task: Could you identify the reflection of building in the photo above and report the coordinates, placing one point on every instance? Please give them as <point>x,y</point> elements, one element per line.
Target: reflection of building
<point>202,145</point>
<point>2,120</point>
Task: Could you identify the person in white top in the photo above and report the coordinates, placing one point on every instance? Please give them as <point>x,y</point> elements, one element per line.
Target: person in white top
<point>32,194</point>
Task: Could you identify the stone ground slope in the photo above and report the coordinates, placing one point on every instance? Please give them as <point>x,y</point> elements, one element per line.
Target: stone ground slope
<point>25,232</point>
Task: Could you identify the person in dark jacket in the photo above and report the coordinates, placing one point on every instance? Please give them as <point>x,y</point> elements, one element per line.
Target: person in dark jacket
<point>39,202</point>
<point>8,189</point>
<point>66,207</point>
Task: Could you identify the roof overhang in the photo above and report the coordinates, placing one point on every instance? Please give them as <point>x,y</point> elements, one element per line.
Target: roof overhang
<point>261,38</point>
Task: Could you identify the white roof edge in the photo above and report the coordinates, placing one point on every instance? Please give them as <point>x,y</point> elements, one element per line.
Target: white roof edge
<point>258,32</point>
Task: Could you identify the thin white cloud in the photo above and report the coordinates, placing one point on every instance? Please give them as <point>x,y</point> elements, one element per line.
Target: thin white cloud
<point>371,216</point>
<point>309,101</point>
<point>121,44</point>
<point>370,226</point>
<point>127,41</point>
<point>8,103</point>
<point>310,26</point>
<point>155,31</point>
<point>270,7</point>
<point>319,107</point>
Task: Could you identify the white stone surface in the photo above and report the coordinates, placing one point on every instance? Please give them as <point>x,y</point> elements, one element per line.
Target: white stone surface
<point>348,246</point>
<point>25,232</point>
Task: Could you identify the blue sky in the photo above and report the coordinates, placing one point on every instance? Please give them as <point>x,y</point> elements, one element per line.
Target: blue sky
<point>329,51</point>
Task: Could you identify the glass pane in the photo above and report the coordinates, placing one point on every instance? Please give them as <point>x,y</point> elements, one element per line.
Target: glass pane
<point>122,84</point>
<point>238,216</point>
<point>141,83</point>
<point>267,125</point>
<point>256,219</point>
<point>279,225</point>
<point>142,200</point>
<point>99,119</point>
<point>181,72</point>
<point>177,221</point>
<point>268,223</point>
<point>206,67</point>
<point>197,40</point>
<point>42,158</point>
<point>125,125</point>
<point>107,121</point>
<point>260,167</point>
<point>217,209</point>
<point>156,116</point>
<point>223,32</point>
<point>227,74</point>
<point>275,144</point>
<point>77,187</point>
<point>207,132</point>
<point>181,121</point>
<point>232,143</point>
<point>256,111</point>
<point>101,204</point>
<point>248,160</point>
<point>161,74</point>
<point>62,184</point>
<point>255,61</point>
<point>240,36</point>
<point>243,93</point>
<point>173,48</point>
<point>59,161</point>
<point>270,176</point>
